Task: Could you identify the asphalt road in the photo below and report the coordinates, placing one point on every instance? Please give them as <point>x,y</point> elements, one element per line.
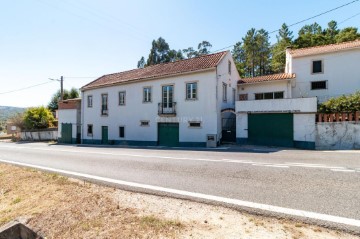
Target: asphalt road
<point>322,182</point>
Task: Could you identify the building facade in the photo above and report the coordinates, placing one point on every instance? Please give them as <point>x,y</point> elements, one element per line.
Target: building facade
<point>171,104</point>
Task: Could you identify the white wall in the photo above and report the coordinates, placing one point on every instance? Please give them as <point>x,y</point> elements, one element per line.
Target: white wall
<point>263,87</point>
<point>135,110</point>
<point>278,105</point>
<point>340,69</point>
<point>68,116</point>
<point>337,135</point>
<point>231,80</point>
<point>304,127</point>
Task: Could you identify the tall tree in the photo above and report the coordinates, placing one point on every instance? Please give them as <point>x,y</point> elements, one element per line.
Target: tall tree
<point>158,52</point>
<point>284,40</point>
<point>331,31</point>
<point>310,35</point>
<point>347,34</point>
<point>263,43</point>
<point>250,49</point>
<point>141,63</point>
<point>72,94</point>
<point>203,48</point>
<point>238,54</point>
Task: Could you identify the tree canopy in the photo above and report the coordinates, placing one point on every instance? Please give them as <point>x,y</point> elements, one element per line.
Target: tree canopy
<point>68,94</point>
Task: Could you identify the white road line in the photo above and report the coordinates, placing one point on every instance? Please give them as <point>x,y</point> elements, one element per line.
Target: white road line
<point>266,207</point>
<point>271,165</point>
<point>344,170</point>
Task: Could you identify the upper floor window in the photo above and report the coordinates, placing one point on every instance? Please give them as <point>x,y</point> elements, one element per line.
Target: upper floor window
<point>224,89</point>
<point>147,94</point>
<point>269,95</point>
<point>89,101</point>
<point>122,96</point>
<point>229,67</point>
<point>243,97</point>
<point>234,95</point>
<point>317,67</point>
<point>318,85</point>
<point>191,91</point>
<point>104,104</point>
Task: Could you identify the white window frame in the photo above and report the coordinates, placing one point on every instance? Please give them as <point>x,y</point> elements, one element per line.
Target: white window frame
<point>145,123</point>
<point>147,94</point>
<point>191,90</point>
<point>312,67</point>
<point>122,97</point>
<point>89,101</point>
<point>196,122</point>
<point>229,67</point>
<point>224,92</point>
<point>105,112</point>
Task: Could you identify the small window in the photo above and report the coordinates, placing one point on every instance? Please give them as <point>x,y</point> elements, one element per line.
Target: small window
<point>234,95</point>
<point>191,91</point>
<point>195,124</point>
<point>259,96</point>
<point>147,94</point>
<point>89,130</point>
<point>229,67</point>
<point>104,105</point>
<point>243,97</point>
<point>122,96</point>
<point>279,95</point>
<point>224,88</point>
<point>144,123</point>
<point>318,85</point>
<point>122,132</point>
<point>268,95</point>
<point>89,101</point>
<point>317,67</point>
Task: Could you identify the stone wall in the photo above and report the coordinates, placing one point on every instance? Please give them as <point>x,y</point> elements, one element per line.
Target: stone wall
<point>40,135</point>
<point>337,135</point>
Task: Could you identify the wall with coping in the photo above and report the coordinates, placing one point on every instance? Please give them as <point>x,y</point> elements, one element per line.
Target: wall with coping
<point>43,135</point>
<point>337,135</point>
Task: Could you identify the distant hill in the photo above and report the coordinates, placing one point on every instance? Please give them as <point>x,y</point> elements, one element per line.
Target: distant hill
<point>6,112</point>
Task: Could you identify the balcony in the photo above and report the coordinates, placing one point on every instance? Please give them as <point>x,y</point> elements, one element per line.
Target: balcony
<point>167,110</point>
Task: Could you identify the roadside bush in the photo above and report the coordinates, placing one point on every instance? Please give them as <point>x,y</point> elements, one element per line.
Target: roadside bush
<point>350,103</point>
<point>38,118</point>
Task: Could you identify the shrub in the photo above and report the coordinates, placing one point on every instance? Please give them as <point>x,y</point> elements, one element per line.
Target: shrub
<point>349,103</point>
<point>38,118</point>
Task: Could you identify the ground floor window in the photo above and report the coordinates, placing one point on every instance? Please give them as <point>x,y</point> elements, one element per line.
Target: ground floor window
<point>122,131</point>
<point>144,123</point>
<point>89,130</point>
<point>194,124</point>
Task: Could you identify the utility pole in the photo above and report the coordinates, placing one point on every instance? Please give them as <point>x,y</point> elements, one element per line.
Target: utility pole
<point>61,87</point>
<point>61,80</point>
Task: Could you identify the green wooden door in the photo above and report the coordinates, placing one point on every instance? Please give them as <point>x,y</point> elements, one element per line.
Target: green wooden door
<point>168,134</point>
<point>66,133</point>
<point>104,135</point>
<point>271,129</point>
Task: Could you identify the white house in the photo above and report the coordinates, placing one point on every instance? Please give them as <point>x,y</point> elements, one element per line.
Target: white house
<point>69,121</point>
<point>325,71</point>
<point>171,104</point>
<point>280,109</point>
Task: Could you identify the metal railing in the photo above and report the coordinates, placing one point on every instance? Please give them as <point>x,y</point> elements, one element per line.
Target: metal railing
<point>167,109</point>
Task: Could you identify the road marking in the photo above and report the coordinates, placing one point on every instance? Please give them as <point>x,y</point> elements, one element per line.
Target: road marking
<point>271,165</point>
<point>241,203</point>
<point>344,170</point>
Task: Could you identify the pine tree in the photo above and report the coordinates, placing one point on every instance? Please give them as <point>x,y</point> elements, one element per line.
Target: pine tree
<point>284,40</point>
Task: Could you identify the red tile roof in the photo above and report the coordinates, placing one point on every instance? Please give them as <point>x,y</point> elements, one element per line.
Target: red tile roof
<point>324,49</point>
<point>274,77</point>
<point>160,70</point>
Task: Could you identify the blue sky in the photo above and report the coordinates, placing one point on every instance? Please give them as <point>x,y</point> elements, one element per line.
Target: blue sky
<point>41,39</point>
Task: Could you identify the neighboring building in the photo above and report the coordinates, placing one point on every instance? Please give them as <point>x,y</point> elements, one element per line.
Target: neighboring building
<point>69,121</point>
<point>180,103</point>
<point>324,71</point>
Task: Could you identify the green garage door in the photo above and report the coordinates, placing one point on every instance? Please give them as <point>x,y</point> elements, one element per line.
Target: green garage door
<point>271,129</point>
<point>168,134</point>
<point>66,133</point>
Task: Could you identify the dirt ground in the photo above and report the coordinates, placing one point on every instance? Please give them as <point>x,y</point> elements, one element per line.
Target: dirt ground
<point>58,207</point>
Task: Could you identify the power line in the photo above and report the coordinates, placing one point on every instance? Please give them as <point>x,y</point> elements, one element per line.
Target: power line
<point>349,18</point>
<point>318,15</point>
<point>296,23</point>
<point>29,87</point>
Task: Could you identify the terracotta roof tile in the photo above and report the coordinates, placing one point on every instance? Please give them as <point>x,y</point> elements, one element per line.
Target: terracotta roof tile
<point>274,77</point>
<point>324,49</point>
<point>160,70</point>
